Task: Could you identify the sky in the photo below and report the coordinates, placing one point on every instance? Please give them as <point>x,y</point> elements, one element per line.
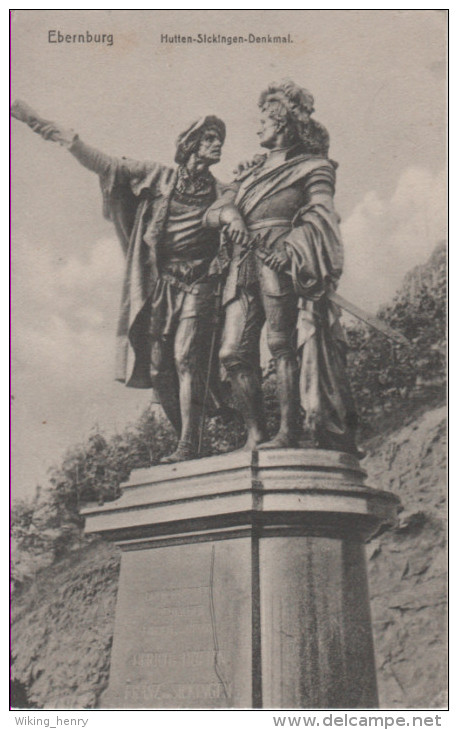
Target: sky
<point>378,78</point>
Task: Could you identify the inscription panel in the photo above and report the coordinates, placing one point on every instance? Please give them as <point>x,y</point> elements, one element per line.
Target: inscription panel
<point>178,693</point>
<point>183,628</point>
<point>164,659</point>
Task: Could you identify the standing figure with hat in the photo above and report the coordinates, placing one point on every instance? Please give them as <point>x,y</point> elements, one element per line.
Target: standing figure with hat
<point>170,287</point>
<point>287,260</point>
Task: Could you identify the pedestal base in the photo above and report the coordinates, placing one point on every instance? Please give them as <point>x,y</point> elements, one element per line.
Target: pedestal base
<point>243,582</point>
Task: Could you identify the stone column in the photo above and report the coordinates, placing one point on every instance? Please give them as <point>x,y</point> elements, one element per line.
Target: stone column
<point>243,582</point>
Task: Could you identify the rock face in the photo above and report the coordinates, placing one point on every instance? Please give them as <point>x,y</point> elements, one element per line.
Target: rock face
<point>407,566</point>
<point>63,623</point>
<point>63,629</point>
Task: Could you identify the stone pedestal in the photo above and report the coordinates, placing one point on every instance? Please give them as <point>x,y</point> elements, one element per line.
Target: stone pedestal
<point>243,582</point>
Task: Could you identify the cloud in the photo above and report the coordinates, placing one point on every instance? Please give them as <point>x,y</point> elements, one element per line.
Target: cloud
<point>65,314</point>
<point>385,237</point>
<point>76,286</point>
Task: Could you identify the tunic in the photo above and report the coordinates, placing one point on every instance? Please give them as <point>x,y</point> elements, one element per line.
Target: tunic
<point>166,248</point>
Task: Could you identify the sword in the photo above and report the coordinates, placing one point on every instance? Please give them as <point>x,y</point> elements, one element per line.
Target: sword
<point>217,314</point>
<point>338,299</point>
<point>374,322</point>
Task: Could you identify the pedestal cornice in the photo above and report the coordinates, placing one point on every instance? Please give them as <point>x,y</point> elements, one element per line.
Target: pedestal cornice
<point>266,493</point>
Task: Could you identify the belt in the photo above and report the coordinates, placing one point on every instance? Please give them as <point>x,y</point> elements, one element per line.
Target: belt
<point>270,223</point>
<point>202,287</point>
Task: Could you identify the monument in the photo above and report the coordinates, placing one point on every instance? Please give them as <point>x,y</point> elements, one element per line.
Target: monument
<point>243,578</point>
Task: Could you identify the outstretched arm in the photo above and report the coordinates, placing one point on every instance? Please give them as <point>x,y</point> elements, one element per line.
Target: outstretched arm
<point>44,127</point>
<point>90,157</point>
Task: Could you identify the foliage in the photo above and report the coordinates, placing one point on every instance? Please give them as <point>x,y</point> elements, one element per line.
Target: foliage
<point>44,528</point>
<point>391,382</point>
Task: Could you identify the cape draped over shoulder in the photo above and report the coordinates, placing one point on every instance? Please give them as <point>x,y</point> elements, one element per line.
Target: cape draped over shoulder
<point>136,200</point>
<point>315,249</point>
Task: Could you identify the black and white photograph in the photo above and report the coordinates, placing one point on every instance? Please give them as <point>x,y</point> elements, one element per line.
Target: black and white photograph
<point>228,341</point>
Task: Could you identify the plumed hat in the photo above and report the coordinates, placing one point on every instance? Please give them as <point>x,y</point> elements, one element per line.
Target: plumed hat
<point>296,100</point>
<point>189,139</point>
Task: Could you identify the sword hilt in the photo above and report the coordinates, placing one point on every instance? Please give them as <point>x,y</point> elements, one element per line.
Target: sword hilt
<point>250,249</point>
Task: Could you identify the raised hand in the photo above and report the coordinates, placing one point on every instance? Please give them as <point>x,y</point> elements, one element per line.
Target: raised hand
<point>22,111</point>
<point>48,130</point>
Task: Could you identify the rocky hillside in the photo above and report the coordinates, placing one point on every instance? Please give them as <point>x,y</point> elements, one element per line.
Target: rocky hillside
<point>62,631</point>
<point>408,565</point>
<point>63,622</point>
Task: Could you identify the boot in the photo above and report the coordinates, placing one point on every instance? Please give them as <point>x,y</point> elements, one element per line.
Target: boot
<point>247,393</point>
<point>189,413</point>
<point>167,391</point>
<point>183,452</point>
<point>288,397</point>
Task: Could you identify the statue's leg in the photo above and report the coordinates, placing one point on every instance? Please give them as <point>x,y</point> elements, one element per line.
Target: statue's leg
<point>239,354</point>
<point>188,348</point>
<point>187,361</point>
<point>164,380</point>
<point>281,315</point>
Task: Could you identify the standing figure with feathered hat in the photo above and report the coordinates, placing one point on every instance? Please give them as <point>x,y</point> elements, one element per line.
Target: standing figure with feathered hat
<point>287,258</point>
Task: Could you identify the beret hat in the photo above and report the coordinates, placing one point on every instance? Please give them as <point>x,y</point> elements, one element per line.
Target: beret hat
<point>190,137</point>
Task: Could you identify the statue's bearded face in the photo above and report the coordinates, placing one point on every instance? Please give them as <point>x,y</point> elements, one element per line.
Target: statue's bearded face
<point>210,146</point>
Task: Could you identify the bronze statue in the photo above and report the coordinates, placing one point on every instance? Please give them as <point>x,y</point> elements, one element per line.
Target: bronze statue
<point>287,260</point>
<point>171,281</point>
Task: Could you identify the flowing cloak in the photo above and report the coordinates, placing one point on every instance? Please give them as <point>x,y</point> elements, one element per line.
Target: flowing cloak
<point>314,245</point>
<point>136,197</point>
